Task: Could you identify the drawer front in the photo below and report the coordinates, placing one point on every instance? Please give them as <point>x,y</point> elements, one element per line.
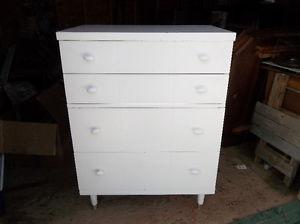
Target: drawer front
<point>146,129</point>
<point>142,89</point>
<point>146,173</point>
<point>181,172</point>
<point>109,173</point>
<point>145,57</point>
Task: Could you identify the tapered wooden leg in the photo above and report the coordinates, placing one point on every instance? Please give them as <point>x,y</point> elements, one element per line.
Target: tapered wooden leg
<point>94,201</point>
<point>200,199</point>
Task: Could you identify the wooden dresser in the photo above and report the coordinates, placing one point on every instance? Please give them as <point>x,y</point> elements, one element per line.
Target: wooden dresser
<point>146,107</point>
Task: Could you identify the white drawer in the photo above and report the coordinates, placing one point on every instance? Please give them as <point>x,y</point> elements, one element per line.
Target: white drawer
<point>146,129</point>
<point>106,173</point>
<point>145,57</point>
<point>145,89</point>
<point>146,173</point>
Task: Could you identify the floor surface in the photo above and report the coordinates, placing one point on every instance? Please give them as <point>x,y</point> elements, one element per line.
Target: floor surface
<point>54,198</point>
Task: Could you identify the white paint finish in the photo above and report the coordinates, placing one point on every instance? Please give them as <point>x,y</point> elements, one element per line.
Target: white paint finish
<point>146,129</point>
<point>94,201</point>
<point>146,33</point>
<point>145,89</point>
<point>200,199</point>
<point>145,57</point>
<point>175,172</point>
<point>146,107</point>
<point>146,173</point>
<point>121,173</point>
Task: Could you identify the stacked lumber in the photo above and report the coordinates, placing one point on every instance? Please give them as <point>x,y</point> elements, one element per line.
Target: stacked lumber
<point>278,128</point>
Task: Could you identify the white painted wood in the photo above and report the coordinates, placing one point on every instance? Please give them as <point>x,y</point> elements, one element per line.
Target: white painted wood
<point>145,57</point>
<point>181,172</point>
<point>147,33</point>
<point>121,173</point>
<point>200,199</point>
<point>146,89</point>
<point>276,141</point>
<point>146,107</point>
<point>146,129</point>
<point>94,201</point>
<point>146,173</point>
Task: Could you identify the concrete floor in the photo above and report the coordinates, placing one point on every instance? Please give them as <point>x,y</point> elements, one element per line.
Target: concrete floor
<point>55,199</point>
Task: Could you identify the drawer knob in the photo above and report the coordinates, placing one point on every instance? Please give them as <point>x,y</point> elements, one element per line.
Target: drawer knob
<point>200,89</point>
<point>91,89</point>
<point>203,57</point>
<point>194,171</point>
<point>95,130</point>
<point>88,57</point>
<point>198,131</point>
<point>99,172</point>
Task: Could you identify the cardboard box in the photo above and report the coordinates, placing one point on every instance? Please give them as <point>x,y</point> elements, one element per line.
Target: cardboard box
<point>28,138</point>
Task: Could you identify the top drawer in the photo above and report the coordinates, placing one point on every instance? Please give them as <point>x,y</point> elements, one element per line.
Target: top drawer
<point>145,57</point>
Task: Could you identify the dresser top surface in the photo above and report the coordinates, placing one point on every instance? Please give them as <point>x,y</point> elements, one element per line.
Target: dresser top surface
<point>146,32</point>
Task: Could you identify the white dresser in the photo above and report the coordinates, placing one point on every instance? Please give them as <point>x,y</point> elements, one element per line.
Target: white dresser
<point>146,107</point>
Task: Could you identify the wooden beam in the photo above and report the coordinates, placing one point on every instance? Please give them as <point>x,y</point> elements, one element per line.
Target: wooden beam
<point>278,90</point>
<point>294,82</point>
<point>281,131</point>
<point>282,117</point>
<point>270,79</point>
<point>276,141</point>
<point>276,160</point>
<point>277,123</point>
<point>288,179</point>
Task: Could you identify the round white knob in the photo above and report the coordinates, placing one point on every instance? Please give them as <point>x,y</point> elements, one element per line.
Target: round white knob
<point>99,172</point>
<point>95,130</point>
<point>200,89</point>
<point>203,57</point>
<point>194,171</point>
<point>198,131</point>
<point>88,57</point>
<point>91,89</point>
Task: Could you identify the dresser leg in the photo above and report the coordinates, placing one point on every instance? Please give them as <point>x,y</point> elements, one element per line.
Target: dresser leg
<point>201,199</point>
<point>94,201</point>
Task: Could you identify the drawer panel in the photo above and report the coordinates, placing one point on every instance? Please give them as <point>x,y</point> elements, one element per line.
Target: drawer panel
<point>145,89</point>
<point>145,57</point>
<point>146,129</point>
<point>146,173</point>
<point>108,173</point>
<point>181,173</point>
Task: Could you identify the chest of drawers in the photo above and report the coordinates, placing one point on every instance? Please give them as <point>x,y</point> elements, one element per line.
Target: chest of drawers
<point>146,107</point>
